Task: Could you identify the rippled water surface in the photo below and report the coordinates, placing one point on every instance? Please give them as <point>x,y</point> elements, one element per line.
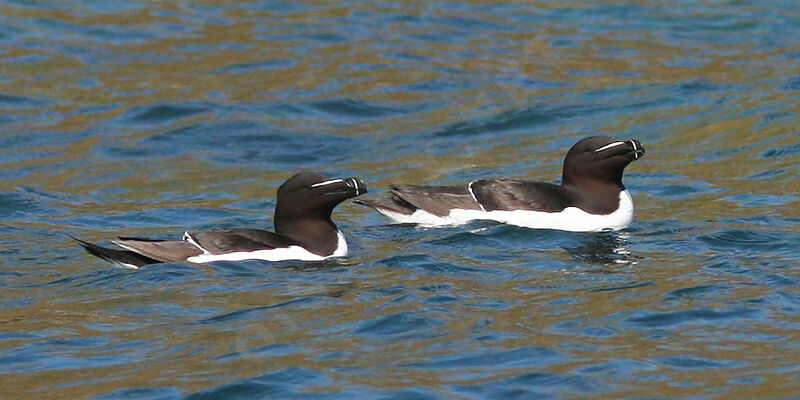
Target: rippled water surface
<point>146,118</point>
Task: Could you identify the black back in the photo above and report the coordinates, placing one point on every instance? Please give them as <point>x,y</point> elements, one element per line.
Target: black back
<point>221,241</point>
<point>515,194</point>
<point>437,200</point>
<point>302,217</point>
<point>591,180</point>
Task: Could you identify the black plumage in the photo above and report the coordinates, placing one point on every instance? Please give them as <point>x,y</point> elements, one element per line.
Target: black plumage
<point>302,218</point>
<point>591,180</point>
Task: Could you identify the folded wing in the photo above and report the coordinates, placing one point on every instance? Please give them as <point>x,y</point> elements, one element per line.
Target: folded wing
<point>514,194</point>
<point>224,241</point>
<point>160,250</point>
<point>437,200</point>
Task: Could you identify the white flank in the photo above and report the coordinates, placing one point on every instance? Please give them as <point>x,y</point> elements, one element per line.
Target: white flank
<point>570,219</point>
<point>329,182</point>
<point>421,217</point>
<point>610,145</point>
<point>341,246</point>
<point>120,264</point>
<point>278,254</point>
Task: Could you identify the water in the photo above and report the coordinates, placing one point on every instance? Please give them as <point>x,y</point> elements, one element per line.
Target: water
<point>145,118</point>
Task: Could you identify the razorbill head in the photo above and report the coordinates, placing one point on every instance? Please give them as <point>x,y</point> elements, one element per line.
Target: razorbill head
<point>591,196</point>
<point>303,231</point>
<point>600,159</point>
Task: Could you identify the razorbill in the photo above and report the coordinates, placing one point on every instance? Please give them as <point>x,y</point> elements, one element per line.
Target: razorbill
<point>591,196</point>
<point>303,231</point>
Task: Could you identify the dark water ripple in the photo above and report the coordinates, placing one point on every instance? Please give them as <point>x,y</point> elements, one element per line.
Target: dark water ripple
<point>146,119</point>
<point>162,113</point>
<point>698,316</point>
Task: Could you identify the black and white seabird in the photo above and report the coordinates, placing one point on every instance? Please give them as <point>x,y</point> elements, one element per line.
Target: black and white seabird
<point>591,196</point>
<point>303,231</point>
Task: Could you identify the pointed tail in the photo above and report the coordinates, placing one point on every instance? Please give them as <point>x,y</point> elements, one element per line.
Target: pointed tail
<point>393,205</point>
<point>125,258</point>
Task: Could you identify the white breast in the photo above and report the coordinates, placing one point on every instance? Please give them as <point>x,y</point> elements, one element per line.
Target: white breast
<point>570,219</point>
<point>341,246</point>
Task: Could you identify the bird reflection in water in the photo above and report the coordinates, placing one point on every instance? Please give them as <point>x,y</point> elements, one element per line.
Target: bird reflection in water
<point>604,248</point>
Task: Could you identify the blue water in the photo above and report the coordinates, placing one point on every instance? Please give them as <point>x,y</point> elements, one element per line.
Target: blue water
<point>142,118</point>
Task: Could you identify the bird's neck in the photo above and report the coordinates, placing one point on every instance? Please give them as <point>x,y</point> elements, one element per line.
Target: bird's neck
<point>315,233</point>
